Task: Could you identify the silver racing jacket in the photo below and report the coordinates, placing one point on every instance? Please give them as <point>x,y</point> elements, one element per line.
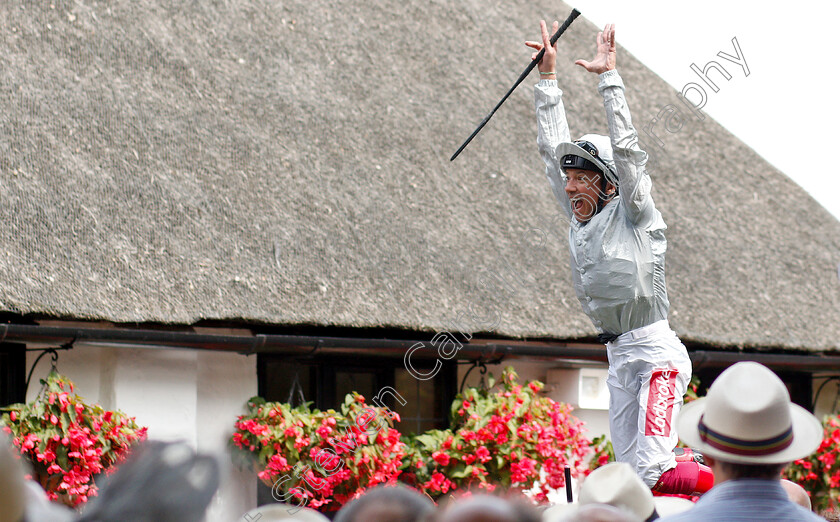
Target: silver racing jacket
<point>618,257</point>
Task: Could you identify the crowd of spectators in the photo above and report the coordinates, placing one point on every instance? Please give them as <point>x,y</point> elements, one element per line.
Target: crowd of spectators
<point>746,427</point>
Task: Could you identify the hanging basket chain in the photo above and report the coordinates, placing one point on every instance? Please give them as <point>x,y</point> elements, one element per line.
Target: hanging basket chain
<point>53,363</point>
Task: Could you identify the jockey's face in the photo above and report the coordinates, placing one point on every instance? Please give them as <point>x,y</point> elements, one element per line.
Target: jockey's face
<point>583,188</point>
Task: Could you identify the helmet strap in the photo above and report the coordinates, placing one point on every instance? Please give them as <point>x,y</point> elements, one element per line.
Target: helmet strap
<point>603,197</point>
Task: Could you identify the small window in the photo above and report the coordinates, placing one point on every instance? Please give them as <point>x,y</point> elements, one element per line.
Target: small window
<point>12,373</point>
<point>326,381</point>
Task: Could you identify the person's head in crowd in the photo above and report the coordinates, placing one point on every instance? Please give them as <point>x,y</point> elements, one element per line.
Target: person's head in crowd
<point>614,492</point>
<point>747,427</point>
<point>160,482</point>
<point>284,513</point>
<point>12,488</point>
<point>563,512</point>
<point>603,513</point>
<point>616,484</point>
<point>797,494</point>
<point>396,503</point>
<point>667,506</point>
<point>23,500</point>
<point>481,507</point>
<point>748,431</point>
<point>559,511</point>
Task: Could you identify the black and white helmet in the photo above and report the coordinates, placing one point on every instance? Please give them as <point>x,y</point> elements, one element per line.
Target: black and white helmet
<point>590,152</point>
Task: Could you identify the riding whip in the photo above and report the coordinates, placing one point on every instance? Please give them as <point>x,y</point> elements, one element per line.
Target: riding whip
<point>575,13</point>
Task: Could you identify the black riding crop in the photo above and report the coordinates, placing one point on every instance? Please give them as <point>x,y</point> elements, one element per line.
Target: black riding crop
<point>575,13</point>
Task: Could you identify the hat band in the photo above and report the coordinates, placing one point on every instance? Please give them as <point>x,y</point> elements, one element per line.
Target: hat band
<point>742,446</point>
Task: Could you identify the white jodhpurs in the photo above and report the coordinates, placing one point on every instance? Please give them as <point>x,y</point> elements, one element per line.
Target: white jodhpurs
<point>648,376</point>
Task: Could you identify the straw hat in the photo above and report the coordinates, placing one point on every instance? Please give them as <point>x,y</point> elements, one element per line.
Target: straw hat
<point>284,512</point>
<point>667,506</point>
<point>618,485</point>
<point>747,418</point>
<point>560,511</point>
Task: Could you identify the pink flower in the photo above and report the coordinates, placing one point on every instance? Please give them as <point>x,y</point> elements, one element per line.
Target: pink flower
<point>482,454</point>
<point>302,442</point>
<point>497,425</point>
<point>29,441</point>
<point>439,482</point>
<point>828,459</point>
<point>441,458</point>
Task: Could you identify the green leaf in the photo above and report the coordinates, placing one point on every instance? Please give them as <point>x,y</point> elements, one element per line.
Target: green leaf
<point>429,440</point>
<point>61,456</point>
<point>453,410</point>
<point>491,381</point>
<point>265,453</point>
<point>460,471</point>
<point>526,404</point>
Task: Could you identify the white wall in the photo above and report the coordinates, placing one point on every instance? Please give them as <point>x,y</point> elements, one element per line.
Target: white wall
<point>225,382</point>
<point>189,395</point>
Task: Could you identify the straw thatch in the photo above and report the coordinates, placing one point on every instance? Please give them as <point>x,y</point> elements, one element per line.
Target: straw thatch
<point>286,162</point>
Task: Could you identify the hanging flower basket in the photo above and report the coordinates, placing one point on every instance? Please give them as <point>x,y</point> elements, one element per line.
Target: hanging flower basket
<point>321,459</point>
<point>68,442</point>
<point>513,438</point>
<point>819,473</point>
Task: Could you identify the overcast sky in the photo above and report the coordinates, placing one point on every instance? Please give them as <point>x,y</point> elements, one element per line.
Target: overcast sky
<point>786,109</point>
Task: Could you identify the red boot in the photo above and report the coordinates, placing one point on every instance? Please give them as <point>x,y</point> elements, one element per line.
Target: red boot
<point>688,455</point>
<point>688,478</point>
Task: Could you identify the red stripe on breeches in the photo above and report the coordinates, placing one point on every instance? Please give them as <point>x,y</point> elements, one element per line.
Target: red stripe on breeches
<point>660,403</point>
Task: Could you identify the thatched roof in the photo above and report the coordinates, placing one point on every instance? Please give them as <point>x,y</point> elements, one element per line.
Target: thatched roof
<point>287,162</point>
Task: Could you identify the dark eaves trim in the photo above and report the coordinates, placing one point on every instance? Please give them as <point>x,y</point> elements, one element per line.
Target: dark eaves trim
<point>305,346</point>
<point>809,362</point>
<point>290,345</point>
